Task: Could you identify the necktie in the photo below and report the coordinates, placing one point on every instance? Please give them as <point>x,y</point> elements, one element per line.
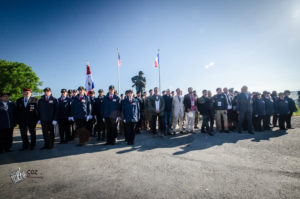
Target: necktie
<point>179,98</point>
<point>80,98</point>
<point>110,97</point>
<point>47,99</point>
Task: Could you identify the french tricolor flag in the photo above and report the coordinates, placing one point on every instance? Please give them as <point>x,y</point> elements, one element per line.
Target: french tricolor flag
<point>89,83</point>
<point>156,63</point>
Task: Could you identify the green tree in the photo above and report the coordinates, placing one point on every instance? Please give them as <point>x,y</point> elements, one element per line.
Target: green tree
<point>15,76</point>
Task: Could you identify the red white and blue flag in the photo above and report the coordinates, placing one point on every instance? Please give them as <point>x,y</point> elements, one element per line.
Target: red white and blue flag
<point>89,83</point>
<point>119,60</point>
<point>156,63</point>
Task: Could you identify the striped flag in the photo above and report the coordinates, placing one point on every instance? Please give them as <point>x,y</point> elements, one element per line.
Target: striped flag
<point>89,83</point>
<point>156,63</point>
<point>119,60</point>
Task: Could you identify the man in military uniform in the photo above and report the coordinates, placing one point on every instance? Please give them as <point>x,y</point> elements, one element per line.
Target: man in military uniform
<point>139,82</point>
<point>98,112</point>
<point>48,107</point>
<point>27,117</point>
<point>64,108</point>
<point>292,107</point>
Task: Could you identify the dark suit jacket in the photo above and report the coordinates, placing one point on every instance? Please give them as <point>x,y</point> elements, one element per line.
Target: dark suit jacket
<point>152,107</point>
<point>48,110</point>
<point>244,104</point>
<point>187,102</point>
<point>28,114</point>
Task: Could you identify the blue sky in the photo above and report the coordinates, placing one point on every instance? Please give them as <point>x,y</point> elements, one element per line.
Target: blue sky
<point>203,44</point>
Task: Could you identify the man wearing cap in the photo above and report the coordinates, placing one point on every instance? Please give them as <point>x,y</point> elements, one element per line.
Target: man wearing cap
<point>64,108</point>
<point>131,115</point>
<point>244,109</point>
<point>111,113</point>
<point>283,111</point>
<point>157,107</point>
<point>98,113</point>
<point>292,107</point>
<point>27,118</point>
<point>275,116</point>
<point>48,109</point>
<point>91,122</point>
<point>269,106</point>
<point>81,110</point>
<point>7,122</point>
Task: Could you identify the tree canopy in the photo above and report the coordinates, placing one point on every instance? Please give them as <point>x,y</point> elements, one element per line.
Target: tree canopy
<point>15,76</point>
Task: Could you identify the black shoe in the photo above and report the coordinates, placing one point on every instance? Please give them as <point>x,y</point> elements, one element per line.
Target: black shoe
<point>202,131</point>
<point>8,150</point>
<point>44,147</point>
<point>226,131</point>
<point>239,131</point>
<point>32,147</point>
<point>211,134</point>
<point>79,144</point>
<point>250,132</point>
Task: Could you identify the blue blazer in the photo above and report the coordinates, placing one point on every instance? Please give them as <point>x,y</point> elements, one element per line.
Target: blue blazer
<point>64,108</point>
<point>47,110</point>
<point>244,104</point>
<point>259,107</point>
<point>131,111</point>
<point>111,108</point>
<point>80,109</point>
<point>7,115</point>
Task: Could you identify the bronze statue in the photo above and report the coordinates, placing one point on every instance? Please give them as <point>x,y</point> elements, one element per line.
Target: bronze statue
<point>139,82</point>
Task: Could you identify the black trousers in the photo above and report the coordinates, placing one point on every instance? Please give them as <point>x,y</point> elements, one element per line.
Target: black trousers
<point>100,127</point>
<point>275,118</point>
<point>32,130</point>
<point>64,129</point>
<point>257,123</point>
<point>48,133</point>
<point>211,121</point>
<point>282,120</point>
<point>130,131</point>
<point>266,120</point>
<point>80,123</point>
<point>242,116</point>
<point>288,121</point>
<point>112,132</point>
<point>6,137</point>
<point>160,123</point>
<point>205,120</point>
<point>72,129</point>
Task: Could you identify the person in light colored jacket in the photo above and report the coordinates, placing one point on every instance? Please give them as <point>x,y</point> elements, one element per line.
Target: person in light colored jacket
<point>178,111</point>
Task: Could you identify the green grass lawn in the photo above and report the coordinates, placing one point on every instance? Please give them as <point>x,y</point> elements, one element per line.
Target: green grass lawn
<point>297,113</point>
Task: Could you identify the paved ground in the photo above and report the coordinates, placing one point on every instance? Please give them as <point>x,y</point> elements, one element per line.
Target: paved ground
<point>264,165</point>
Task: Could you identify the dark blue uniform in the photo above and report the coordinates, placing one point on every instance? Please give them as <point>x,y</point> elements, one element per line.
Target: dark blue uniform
<point>168,113</point>
<point>48,109</point>
<point>204,107</point>
<point>283,111</point>
<point>64,108</point>
<point>98,112</point>
<point>258,113</point>
<point>292,108</point>
<point>81,108</point>
<point>131,115</point>
<point>7,124</point>
<point>244,108</point>
<point>111,111</point>
<point>275,116</point>
<point>269,105</point>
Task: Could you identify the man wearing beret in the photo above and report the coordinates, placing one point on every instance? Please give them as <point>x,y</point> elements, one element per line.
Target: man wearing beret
<point>7,122</point>
<point>111,113</point>
<point>98,113</point>
<point>48,108</point>
<point>64,108</point>
<point>27,117</point>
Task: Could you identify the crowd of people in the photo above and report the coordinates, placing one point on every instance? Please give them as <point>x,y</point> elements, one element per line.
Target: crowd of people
<point>80,113</point>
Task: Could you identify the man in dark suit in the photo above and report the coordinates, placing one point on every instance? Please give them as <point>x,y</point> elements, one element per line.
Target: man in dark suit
<point>189,102</point>
<point>47,107</point>
<point>7,122</point>
<point>98,113</point>
<point>111,114</point>
<point>244,109</point>
<point>168,112</point>
<point>292,107</point>
<point>27,117</point>
<point>64,108</point>
<point>156,105</point>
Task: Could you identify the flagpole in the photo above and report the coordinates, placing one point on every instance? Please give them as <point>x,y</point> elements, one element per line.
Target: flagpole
<point>159,73</point>
<point>118,74</point>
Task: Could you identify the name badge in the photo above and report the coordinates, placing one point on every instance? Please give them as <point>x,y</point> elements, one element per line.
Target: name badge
<point>51,101</point>
<point>31,107</point>
<point>134,103</point>
<point>114,100</point>
<point>65,101</point>
<point>83,101</point>
<point>219,103</point>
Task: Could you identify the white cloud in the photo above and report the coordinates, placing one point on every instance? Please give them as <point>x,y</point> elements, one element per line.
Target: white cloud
<point>209,65</point>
